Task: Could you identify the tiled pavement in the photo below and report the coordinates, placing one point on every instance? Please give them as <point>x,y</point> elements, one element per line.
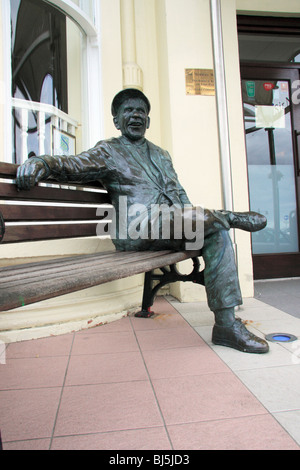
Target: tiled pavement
<point>155,384</point>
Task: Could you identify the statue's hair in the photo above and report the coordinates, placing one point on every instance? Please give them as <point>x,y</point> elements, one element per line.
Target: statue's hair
<point>125,95</point>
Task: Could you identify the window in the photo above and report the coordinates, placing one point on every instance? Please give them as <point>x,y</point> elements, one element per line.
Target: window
<point>54,68</point>
<point>269,39</point>
<point>39,53</point>
<point>51,76</point>
<point>39,75</point>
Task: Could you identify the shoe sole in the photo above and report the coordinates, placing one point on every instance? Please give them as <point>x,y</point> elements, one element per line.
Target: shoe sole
<point>229,344</point>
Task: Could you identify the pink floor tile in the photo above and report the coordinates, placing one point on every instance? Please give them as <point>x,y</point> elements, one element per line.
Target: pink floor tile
<point>260,432</point>
<point>107,407</point>
<point>33,372</point>
<point>104,368</point>
<point>159,321</point>
<point>91,343</point>
<point>204,397</point>
<point>183,361</point>
<point>108,400</point>
<point>137,439</point>
<point>28,414</point>
<point>161,305</point>
<point>34,444</point>
<point>154,340</point>
<point>52,346</point>
<point>118,325</point>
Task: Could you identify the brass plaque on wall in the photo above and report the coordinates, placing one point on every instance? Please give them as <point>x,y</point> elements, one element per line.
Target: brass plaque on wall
<point>199,82</point>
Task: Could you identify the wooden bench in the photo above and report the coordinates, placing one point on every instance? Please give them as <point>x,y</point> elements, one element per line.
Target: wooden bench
<point>52,211</point>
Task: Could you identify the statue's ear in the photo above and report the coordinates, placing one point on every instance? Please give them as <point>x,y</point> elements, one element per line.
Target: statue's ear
<point>148,122</point>
<point>116,122</point>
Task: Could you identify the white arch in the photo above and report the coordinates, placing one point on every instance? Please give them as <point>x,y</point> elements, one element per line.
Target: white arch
<point>92,79</point>
<point>76,14</point>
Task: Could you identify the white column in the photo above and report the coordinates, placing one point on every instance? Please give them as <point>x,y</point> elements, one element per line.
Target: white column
<point>41,132</point>
<point>24,134</point>
<point>5,85</point>
<point>221,99</point>
<point>222,109</point>
<point>132,73</point>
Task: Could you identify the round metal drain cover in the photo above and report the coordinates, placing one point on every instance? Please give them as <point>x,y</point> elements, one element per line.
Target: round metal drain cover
<point>281,337</point>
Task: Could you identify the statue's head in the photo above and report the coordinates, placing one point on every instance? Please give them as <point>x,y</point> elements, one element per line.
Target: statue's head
<point>130,109</point>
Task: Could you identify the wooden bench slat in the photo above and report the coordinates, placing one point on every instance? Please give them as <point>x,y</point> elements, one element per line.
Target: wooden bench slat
<point>43,268</point>
<point>8,170</point>
<point>25,294</point>
<point>22,269</point>
<point>66,266</point>
<point>22,233</point>
<point>45,193</point>
<point>15,213</point>
<point>6,271</point>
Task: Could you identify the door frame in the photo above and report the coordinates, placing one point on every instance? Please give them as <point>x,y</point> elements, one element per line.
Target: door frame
<point>279,265</point>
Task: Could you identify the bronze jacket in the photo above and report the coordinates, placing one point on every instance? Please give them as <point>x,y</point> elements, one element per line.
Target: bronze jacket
<point>129,179</point>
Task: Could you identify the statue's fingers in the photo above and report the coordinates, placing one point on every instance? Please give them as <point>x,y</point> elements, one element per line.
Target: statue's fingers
<point>20,181</point>
<point>18,178</point>
<point>30,176</point>
<point>27,176</point>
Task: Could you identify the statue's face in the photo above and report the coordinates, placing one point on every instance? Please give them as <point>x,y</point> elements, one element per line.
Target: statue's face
<point>132,119</point>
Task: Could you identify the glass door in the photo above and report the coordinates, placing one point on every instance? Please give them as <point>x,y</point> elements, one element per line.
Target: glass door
<point>271,123</point>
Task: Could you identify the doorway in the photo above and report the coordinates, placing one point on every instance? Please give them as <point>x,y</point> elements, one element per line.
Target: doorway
<point>270,92</point>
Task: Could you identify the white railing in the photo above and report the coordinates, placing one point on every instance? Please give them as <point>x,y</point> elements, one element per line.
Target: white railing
<point>44,114</point>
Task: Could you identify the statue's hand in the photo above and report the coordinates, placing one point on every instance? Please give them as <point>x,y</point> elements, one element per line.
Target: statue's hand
<point>30,173</point>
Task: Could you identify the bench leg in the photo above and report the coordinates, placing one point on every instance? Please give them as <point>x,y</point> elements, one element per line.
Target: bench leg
<point>147,298</point>
<point>168,275</point>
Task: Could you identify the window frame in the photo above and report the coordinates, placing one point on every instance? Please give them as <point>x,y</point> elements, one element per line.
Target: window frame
<point>77,14</point>
<point>268,24</point>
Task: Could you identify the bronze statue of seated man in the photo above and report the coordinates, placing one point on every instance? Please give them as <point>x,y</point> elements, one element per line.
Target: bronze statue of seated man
<point>139,175</point>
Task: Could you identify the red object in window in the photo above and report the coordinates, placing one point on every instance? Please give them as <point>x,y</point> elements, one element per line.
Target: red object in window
<point>268,86</point>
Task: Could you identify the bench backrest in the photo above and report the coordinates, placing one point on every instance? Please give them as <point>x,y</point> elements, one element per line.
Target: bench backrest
<point>49,210</point>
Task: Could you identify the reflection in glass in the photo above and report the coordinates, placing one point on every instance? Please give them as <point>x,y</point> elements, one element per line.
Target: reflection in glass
<point>38,52</point>
<point>39,69</point>
<point>270,159</point>
<point>269,47</point>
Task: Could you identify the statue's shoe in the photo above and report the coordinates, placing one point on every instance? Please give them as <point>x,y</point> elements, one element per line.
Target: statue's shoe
<point>238,337</point>
<point>249,221</point>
